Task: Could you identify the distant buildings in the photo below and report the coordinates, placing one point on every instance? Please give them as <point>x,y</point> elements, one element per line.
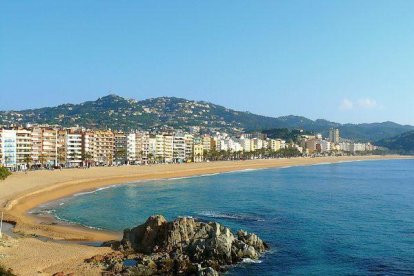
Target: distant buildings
<point>334,135</point>
<point>49,146</point>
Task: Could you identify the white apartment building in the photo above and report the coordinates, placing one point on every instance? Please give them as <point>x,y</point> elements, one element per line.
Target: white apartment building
<point>152,149</point>
<point>168,148</point>
<point>325,146</point>
<point>246,144</point>
<point>73,147</point>
<point>104,147</point>
<point>179,148</point>
<point>345,146</point>
<point>89,145</point>
<point>206,142</point>
<point>23,148</point>
<point>48,154</point>
<point>355,147</point>
<point>275,144</point>
<point>189,143</point>
<point>159,147</point>
<point>234,145</point>
<point>131,148</point>
<point>142,147</point>
<point>8,148</point>
<point>334,135</point>
<point>120,148</point>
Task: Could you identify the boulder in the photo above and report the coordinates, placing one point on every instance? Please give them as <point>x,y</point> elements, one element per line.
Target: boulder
<point>182,246</point>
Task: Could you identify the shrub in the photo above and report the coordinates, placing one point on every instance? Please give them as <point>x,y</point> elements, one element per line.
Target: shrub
<point>4,173</point>
<point>5,272</point>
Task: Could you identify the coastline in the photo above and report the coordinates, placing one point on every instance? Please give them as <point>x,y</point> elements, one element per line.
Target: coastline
<point>16,207</point>
<point>63,248</point>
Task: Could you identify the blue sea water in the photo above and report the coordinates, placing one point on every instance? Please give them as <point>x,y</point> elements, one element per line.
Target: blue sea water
<point>338,219</point>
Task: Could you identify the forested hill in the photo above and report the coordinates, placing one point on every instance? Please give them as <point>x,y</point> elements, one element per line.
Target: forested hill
<point>116,112</point>
<point>403,143</point>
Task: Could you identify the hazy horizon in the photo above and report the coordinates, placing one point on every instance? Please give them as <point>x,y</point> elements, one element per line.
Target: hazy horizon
<point>343,61</point>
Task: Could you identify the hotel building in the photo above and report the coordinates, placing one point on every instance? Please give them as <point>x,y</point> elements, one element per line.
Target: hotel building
<point>104,147</point>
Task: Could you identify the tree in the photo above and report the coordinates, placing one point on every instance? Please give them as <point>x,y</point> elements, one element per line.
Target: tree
<point>86,157</point>
<point>28,160</point>
<point>42,159</point>
<point>4,173</point>
<point>150,158</point>
<point>61,158</point>
<point>120,155</point>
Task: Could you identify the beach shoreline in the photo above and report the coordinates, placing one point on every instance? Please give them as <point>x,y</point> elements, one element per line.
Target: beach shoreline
<point>17,207</point>
<point>20,193</point>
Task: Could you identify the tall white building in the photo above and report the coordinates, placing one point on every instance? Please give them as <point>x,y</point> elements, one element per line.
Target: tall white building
<point>8,148</point>
<point>168,148</point>
<point>275,144</point>
<point>159,147</point>
<point>246,144</point>
<point>131,148</point>
<point>189,145</point>
<point>73,148</point>
<point>23,147</point>
<point>179,147</point>
<point>89,146</point>
<point>334,135</point>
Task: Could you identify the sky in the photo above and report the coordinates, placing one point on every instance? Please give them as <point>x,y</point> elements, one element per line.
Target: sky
<point>345,61</point>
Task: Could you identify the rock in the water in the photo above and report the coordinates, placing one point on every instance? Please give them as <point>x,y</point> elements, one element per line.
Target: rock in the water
<point>186,245</point>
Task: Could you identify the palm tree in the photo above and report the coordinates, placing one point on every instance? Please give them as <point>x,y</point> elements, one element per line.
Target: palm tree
<point>61,158</point>
<point>86,157</point>
<point>150,157</point>
<point>28,159</point>
<point>42,159</point>
<point>109,159</point>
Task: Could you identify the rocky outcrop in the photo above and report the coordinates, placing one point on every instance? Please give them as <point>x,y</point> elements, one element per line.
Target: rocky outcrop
<point>185,246</point>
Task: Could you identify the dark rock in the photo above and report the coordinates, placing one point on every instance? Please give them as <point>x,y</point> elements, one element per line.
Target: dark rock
<point>112,244</point>
<point>183,246</point>
<point>189,246</point>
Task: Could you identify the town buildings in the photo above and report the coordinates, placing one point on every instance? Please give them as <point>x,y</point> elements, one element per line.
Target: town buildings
<point>51,146</point>
<point>334,135</point>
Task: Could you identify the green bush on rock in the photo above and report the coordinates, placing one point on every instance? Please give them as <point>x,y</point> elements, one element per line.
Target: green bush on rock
<point>4,173</point>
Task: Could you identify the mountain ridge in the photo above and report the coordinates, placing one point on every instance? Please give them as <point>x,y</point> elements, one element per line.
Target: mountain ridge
<point>116,112</point>
<point>402,143</point>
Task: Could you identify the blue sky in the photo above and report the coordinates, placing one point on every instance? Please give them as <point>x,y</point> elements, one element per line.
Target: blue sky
<point>346,61</point>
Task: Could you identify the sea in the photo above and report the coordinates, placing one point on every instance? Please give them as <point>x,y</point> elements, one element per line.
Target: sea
<point>354,218</point>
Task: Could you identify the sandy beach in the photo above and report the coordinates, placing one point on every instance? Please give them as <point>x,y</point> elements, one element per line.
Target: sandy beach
<point>22,192</point>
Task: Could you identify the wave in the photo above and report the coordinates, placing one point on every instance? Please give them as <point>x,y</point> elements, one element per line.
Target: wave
<point>40,212</point>
<point>241,217</point>
<point>208,174</point>
<point>94,191</point>
<point>251,261</point>
<point>76,223</point>
<point>179,178</point>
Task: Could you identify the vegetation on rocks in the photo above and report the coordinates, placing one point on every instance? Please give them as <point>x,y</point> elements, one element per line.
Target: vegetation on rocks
<point>5,272</point>
<point>4,173</point>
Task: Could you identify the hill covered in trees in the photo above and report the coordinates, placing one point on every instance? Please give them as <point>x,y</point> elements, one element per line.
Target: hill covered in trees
<point>403,143</point>
<point>118,113</point>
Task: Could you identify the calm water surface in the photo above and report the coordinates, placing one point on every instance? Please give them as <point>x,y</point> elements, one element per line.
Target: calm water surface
<point>339,219</point>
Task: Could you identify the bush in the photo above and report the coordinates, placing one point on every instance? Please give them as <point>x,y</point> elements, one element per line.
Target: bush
<point>4,173</point>
<point>5,272</point>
